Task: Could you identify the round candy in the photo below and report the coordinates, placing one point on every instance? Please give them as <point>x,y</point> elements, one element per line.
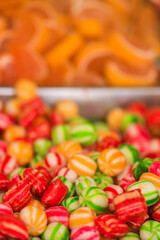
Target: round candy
<point>101,126</point>
<point>150,230</point>
<point>155,168</point>
<point>84,182</point>
<point>19,171</point>
<point>147,162</point>
<point>12,107</point>
<point>95,198</point>
<point>45,172</point>
<point>153,178</point>
<point>55,231</point>
<point>3,182</point>
<point>138,169</point>
<point>130,118</point>
<point>107,142</point>
<point>25,89</point>
<point>35,220</point>
<point>84,133</point>
<point>84,216</point>
<point>114,118</point>
<point>67,173</point>
<point>58,214</point>
<point>102,180</point>
<point>111,161</point>
<point>68,183</point>
<point>131,153</point>
<point>86,232</point>
<point>5,209</point>
<point>148,190</point>
<point>41,146</point>
<point>82,165</point>
<point>131,236</point>
<point>71,204</point>
<point>8,164</point>
<point>53,160</point>
<point>12,132</point>
<point>37,204</point>
<point>127,171</point>
<point>60,134</point>
<point>76,120</point>
<point>69,148</point>
<point>68,109</point>
<point>135,130</point>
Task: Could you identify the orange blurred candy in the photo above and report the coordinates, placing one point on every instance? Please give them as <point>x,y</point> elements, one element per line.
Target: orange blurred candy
<point>114,118</point>
<point>26,89</point>
<point>69,148</point>
<point>37,204</point>
<point>12,107</point>
<point>109,133</point>
<point>12,132</point>
<point>67,109</point>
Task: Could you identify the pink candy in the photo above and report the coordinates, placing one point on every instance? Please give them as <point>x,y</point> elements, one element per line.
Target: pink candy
<point>5,209</point>
<point>58,214</point>
<point>85,233</point>
<point>155,168</point>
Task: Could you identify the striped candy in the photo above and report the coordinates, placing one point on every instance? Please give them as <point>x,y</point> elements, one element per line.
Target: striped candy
<point>60,134</point>
<point>37,204</point>
<point>131,236</point>
<point>112,191</point>
<point>94,156</point>
<point>86,232</point>
<point>55,231</point>
<point>84,216</point>
<point>35,220</point>
<point>84,182</point>
<point>131,153</point>
<point>5,209</point>
<point>155,168</point>
<point>127,171</point>
<point>58,214</point>
<point>148,190</point>
<point>53,160</point>
<point>102,180</point>
<point>84,133</point>
<point>68,183</point>
<point>95,198</point>
<point>69,148</point>
<point>126,182</point>
<point>17,178</point>
<point>45,172</point>
<point>3,182</point>
<point>111,161</point>
<point>71,204</point>
<point>156,215</point>
<point>18,170</point>
<point>150,230</point>
<point>82,165</point>
<point>67,173</point>
<point>153,178</point>
<point>8,164</point>
<point>41,146</point>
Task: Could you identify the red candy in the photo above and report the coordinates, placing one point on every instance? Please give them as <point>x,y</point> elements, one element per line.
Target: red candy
<point>36,104</point>
<point>155,168</point>
<point>41,130</point>
<point>107,142</point>
<point>67,173</point>
<point>17,178</point>
<point>110,227</point>
<point>3,148</point>
<point>28,116</point>
<point>8,164</point>
<point>55,193</point>
<point>126,172</point>
<point>85,233</point>
<point>155,207</point>
<point>56,118</point>
<point>141,143</point>
<point>137,223</point>
<point>136,130</point>
<point>3,182</point>
<point>5,121</point>
<point>138,108</point>
<point>5,209</point>
<point>36,180</point>
<point>58,214</point>
<point>153,117</point>
<point>45,172</point>
<point>156,215</point>
<point>53,160</point>
<point>11,226</point>
<point>126,182</point>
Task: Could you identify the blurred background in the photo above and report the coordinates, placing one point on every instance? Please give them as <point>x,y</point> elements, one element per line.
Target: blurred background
<point>80,42</point>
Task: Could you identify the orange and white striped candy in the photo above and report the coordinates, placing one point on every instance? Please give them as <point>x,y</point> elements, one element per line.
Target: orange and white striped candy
<point>35,220</point>
<point>111,161</point>
<point>153,178</point>
<point>82,165</point>
<point>37,204</point>
<point>83,216</point>
<point>69,148</point>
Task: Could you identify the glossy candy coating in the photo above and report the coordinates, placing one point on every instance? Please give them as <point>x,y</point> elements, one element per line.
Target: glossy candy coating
<point>131,236</point>
<point>131,153</point>
<point>8,164</point>
<point>42,146</point>
<point>53,160</point>
<point>153,178</point>
<point>102,180</point>
<point>5,209</point>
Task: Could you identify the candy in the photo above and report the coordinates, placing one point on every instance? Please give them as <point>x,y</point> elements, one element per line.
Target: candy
<point>71,204</point>
<point>156,215</point>
<point>130,118</point>
<point>131,236</point>
<point>38,160</point>
<point>84,133</point>
<point>60,134</point>
<point>67,173</point>
<point>5,209</point>
<point>137,223</point>
<point>76,120</point>
<point>111,161</point>
<point>135,130</point>
<point>153,178</point>
<point>95,198</point>
<point>56,118</point>
<point>37,204</point>
<point>13,227</point>
<point>110,227</point>
<point>94,156</point>
<point>155,168</point>
<point>107,142</point>
<point>127,171</point>
<point>130,205</point>
<point>84,216</point>
<point>3,182</point>
<point>141,143</point>
<point>12,107</point>
<point>68,183</point>
<point>102,180</point>
<point>58,214</point>
<point>53,160</point>
<point>13,132</point>
<point>69,148</point>
<point>25,89</point>
<point>68,109</point>
<point>18,170</point>
<point>42,146</point>
<point>54,194</point>
<point>40,130</point>
<point>126,182</point>
<point>3,148</point>
<point>8,164</point>
<point>115,117</point>
<point>147,162</point>
<point>150,230</point>
<point>131,153</point>
<point>82,165</point>
<point>84,182</point>
<point>17,178</point>
<point>5,121</point>
<point>86,233</point>
<point>55,231</point>
<point>112,191</point>
<point>138,108</point>
<point>45,173</point>
<point>138,169</point>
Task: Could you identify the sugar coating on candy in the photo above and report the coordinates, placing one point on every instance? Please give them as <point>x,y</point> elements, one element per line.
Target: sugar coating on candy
<point>86,233</point>
<point>84,182</point>
<point>150,230</point>
<point>71,204</point>
<point>55,231</point>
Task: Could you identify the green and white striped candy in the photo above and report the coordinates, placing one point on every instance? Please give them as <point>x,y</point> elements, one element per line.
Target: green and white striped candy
<point>94,156</point>
<point>55,231</point>
<point>147,162</point>
<point>19,171</point>
<point>76,120</point>
<point>84,133</point>
<point>71,203</point>
<point>60,134</point>
<point>84,182</point>
<point>41,146</point>
<point>94,198</point>
<point>36,160</point>
<point>148,190</point>
<point>131,236</point>
<point>101,126</point>
<point>150,230</point>
<point>68,183</point>
<point>131,153</point>
<point>102,180</point>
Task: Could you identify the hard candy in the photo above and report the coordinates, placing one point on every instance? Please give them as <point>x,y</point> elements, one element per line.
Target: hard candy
<point>58,214</point>
<point>55,231</point>
<point>84,182</point>
<point>86,233</point>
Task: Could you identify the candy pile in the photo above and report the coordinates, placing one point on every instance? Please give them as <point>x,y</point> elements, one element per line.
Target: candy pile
<point>63,177</point>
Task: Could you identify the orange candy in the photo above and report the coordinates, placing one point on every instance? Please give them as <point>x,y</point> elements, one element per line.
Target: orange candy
<point>26,89</point>
<point>13,132</point>
<point>67,109</point>
<point>37,204</point>
<point>12,107</point>
<point>69,148</point>
<point>114,118</point>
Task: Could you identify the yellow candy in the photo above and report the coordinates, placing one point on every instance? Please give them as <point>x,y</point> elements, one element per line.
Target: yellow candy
<point>12,107</point>
<point>115,117</point>
<point>22,151</point>
<point>37,204</point>
<point>35,220</point>
<point>13,132</point>
<point>67,109</point>
<point>26,90</point>
<point>69,148</point>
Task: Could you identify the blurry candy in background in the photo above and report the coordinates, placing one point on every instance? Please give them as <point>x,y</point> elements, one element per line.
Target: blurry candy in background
<point>79,43</point>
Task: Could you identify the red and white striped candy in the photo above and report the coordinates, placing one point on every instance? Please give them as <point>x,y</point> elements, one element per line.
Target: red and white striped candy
<point>3,148</point>
<point>3,182</point>
<point>136,130</point>
<point>137,223</point>
<point>67,173</point>
<point>15,179</point>
<point>85,232</point>
<point>112,191</point>
<point>154,145</point>
<point>8,164</point>
<point>155,207</point>
<point>13,227</point>
<point>52,149</point>
<point>53,160</point>
<point>156,215</point>
<point>45,172</point>
<point>5,208</point>
<point>58,214</point>
<point>126,172</point>
<point>126,182</point>
<point>2,237</point>
<point>141,143</point>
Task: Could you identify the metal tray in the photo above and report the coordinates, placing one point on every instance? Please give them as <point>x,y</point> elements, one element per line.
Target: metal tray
<point>95,102</point>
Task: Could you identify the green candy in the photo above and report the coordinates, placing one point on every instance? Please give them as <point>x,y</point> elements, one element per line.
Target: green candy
<point>68,183</point>
<point>94,198</point>
<point>37,159</point>
<point>138,169</point>
<point>130,118</point>
<point>41,146</point>
<point>147,162</point>
<point>77,120</point>
<point>55,231</point>
<point>101,126</point>
<point>131,236</point>
<point>19,171</point>
<point>148,190</point>
<point>71,203</point>
<point>94,156</point>
<point>60,134</point>
<point>150,230</point>
<point>84,133</point>
<point>84,182</point>
<point>131,153</point>
<point>102,180</point>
